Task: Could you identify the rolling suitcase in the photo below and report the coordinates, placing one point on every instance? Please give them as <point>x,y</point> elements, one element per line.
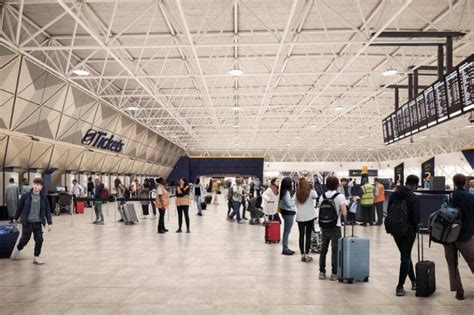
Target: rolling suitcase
<point>353,258</point>
<point>208,199</point>
<point>425,272</point>
<point>130,216</point>
<point>79,207</point>
<point>8,237</point>
<point>272,232</point>
<point>203,206</point>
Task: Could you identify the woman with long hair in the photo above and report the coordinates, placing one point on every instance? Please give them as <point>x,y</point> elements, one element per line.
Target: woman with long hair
<point>305,216</point>
<point>162,202</point>
<point>287,208</point>
<point>182,203</point>
<point>270,198</point>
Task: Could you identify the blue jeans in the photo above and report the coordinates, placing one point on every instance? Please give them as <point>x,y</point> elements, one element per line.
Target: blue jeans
<point>288,219</point>
<point>236,210</point>
<point>197,199</point>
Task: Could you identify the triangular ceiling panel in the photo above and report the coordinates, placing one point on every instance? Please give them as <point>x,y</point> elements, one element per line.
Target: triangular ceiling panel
<point>52,86</point>
<point>75,133</point>
<point>40,154</point>
<point>74,159</point>
<point>67,125</point>
<point>59,157</point>
<point>125,127</point>
<point>48,123</point>
<point>8,75</point>
<point>56,101</point>
<point>3,147</point>
<point>18,152</point>
<point>6,55</point>
<point>23,110</point>
<point>77,102</point>
<point>6,106</point>
<point>130,148</point>
<point>32,82</point>
<point>30,124</point>
<point>88,115</point>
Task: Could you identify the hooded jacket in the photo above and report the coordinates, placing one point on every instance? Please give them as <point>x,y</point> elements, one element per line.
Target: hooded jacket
<point>24,207</point>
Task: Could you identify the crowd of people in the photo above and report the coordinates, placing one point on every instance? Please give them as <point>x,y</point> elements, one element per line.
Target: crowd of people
<point>286,200</point>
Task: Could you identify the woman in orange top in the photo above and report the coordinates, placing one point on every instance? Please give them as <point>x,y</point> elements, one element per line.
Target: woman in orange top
<point>162,202</point>
<point>182,203</point>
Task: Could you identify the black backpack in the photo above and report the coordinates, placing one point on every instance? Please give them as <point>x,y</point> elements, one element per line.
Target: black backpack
<point>396,222</point>
<point>328,213</point>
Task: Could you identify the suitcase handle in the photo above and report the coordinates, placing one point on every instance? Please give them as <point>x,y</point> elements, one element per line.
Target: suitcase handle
<point>420,247</point>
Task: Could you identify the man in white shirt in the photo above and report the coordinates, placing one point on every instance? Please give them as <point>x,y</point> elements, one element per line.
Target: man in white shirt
<point>331,234</point>
<point>77,191</point>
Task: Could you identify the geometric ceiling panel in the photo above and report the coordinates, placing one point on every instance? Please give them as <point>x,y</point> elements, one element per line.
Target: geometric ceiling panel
<point>48,123</point>
<point>32,82</point>
<point>8,73</point>
<point>6,55</point>
<point>56,98</point>
<point>23,111</point>
<point>18,152</point>
<point>40,155</point>
<point>6,106</point>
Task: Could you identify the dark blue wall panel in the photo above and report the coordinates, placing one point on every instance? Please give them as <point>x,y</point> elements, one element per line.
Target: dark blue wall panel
<point>190,168</point>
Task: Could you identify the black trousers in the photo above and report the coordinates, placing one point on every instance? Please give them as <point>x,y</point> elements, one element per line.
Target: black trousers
<point>329,236</point>
<point>145,210</point>
<point>379,208</point>
<point>367,214</point>
<point>305,228</point>
<point>153,207</point>
<point>183,210</point>
<point>244,206</point>
<point>405,245</point>
<point>229,207</point>
<point>37,230</point>
<point>161,220</point>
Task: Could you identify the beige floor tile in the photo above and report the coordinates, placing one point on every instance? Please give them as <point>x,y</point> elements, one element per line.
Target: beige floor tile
<point>96,309</point>
<point>193,296</point>
<point>45,309</point>
<point>151,296</point>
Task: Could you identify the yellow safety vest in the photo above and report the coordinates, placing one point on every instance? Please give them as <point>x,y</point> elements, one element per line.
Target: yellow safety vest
<point>367,198</point>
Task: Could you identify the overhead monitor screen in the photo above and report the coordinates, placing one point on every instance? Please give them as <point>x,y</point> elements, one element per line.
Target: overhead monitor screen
<point>441,101</point>
<point>466,74</point>
<point>406,120</point>
<point>421,108</point>
<point>413,115</point>
<point>453,94</point>
<point>430,106</point>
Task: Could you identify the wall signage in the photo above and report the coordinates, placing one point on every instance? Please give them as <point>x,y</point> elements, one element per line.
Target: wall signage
<point>98,139</point>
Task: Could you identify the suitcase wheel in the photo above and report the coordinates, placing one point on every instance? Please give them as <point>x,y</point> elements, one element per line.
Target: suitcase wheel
<point>350,280</point>
<point>366,279</point>
<point>341,280</point>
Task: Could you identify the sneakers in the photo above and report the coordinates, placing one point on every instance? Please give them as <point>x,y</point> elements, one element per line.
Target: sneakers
<point>399,291</point>
<point>306,258</point>
<point>287,252</point>
<point>16,254</point>
<point>334,277</point>
<point>178,231</point>
<point>322,276</point>
<point>100,223</point>
<point>460,295</point>
<point>37,261</point>
<point>413,285</point>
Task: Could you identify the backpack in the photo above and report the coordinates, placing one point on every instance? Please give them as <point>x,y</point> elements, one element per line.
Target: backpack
<point>445,224</point>
<point>327,212</point>
<point>126,193</point>
<point>104,194</point>
<point>396,222</point>
<point>230,194</point>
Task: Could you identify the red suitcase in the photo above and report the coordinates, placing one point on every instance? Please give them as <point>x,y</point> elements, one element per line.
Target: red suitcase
<point>79,207</point>
<point>272,232</point>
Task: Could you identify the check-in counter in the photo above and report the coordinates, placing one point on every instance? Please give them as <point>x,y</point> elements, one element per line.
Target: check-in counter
<point>430,201</point>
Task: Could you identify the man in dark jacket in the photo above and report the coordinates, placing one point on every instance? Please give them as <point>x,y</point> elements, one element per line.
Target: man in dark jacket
<point>34,211</point>
<point>404,197</point>
<point>464,201</point>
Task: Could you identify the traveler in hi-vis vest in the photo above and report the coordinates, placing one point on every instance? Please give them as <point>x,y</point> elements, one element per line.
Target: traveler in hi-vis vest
<point>367,202</point>
<point>379,198</point>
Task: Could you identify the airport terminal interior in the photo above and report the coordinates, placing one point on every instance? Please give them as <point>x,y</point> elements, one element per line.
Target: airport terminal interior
<point>236,157</point>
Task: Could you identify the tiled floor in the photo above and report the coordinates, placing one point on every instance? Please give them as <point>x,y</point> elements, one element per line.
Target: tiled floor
<point>220,268</point>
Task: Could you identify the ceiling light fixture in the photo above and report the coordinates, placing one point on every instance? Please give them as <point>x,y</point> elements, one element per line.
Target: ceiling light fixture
<point>339,108</point>
<point>81,72</point>
<point>236,126</point>
<point>236,108</point>
<point>390,72</point>
<point>469,126</point>
<point>236,72</point>
<point>132,108</point>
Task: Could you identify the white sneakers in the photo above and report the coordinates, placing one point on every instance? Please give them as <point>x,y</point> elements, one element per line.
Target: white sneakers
<point>37,261</point>
<point>16,254</point>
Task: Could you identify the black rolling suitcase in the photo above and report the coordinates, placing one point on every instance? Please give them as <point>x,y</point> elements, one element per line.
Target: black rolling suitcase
<point>8,237</point>
<point>425,272</point>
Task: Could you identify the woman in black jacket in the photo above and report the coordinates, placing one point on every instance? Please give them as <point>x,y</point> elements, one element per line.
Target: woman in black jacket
<point>403,199</point>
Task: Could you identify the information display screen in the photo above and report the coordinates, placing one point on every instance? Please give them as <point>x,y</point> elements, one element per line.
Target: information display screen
<point>448,97</point>
<point>466,74</point>
<point>430,106</point>
<point>406,120</point>
<point>413,116</point>
<point>453,93</point>
<point>389,129</point>
<point>441,101</point>
<point>394,120</point>
<point>421,107</point>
